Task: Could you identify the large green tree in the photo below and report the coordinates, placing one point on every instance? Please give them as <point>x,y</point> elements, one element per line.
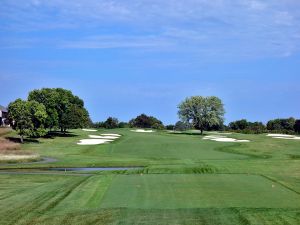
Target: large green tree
<point>27,118</point>
<point>49,98</point>
<point>202,112</point>
<point>64,109</point>
<point>74,117</point>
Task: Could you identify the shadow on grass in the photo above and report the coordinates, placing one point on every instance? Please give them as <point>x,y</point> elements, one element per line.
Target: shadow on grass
<point>26,140</point>
<point>54,134</point>
<point>188,133</point>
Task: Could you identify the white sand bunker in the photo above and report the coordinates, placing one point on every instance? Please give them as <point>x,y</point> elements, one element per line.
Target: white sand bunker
<point>217,132</point>
<point>222,139</point>
<point>116,135</point>
<point>142,131</point>
<point>284,136</point>
<point>280,135</point>
<point>103,137</point>
<point>93,141</point>
<point>17,157</point>
<point>89,130</point>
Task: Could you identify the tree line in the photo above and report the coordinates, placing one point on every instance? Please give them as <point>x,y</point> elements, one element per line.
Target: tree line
<point>56,108</point>
<point>203,113</point>
<point>287,126</point>
<point>141,121</point>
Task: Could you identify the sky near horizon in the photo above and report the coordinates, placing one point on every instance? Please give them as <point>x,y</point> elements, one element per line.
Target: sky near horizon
<point>128,57</point>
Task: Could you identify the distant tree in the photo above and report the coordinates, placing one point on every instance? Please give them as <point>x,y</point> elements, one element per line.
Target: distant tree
<point>274,125</point>
<point>99,125</point>
<point>123,125</point>
<point>158,126</point>
<point>245,126</point>
<point>288,124</point>
<point>281,125</point>
<point>181,126</point>
<point>239,125</point>
<point>27,118</point>
<point>144,121</point>
<point>202,112</point>
<point>297,126</point>
<point>256,127</point>
<point>170,127</point>
<point>111,123</point>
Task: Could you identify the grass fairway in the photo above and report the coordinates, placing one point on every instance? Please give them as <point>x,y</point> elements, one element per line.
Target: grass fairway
<point>185,180</point>
<point>179,191</point>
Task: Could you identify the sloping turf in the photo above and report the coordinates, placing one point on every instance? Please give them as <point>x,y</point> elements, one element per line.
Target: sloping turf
<point>175,191</point>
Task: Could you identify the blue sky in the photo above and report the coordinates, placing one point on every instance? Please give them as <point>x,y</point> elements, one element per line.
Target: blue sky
<point>145,56</point>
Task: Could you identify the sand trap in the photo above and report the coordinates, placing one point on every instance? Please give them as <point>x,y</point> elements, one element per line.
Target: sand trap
<point>174,131</point>
<point>288,138</point>
<point>90,130</point>
<point>142,131</point>
<point>210,137</point>
<point>280,135</point>
<point>103,137</point>
<point>117,135</point>
<point>17,157</point>
<point>217,132</point>
<point>223,139</point>
<point>93,141</point>
<point>284,136</point>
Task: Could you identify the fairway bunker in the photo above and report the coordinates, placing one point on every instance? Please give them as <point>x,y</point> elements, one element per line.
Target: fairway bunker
<point>94,168</point>
<point>89,130</point>
<point>103,137</point>
<point>142,131</point>
<point>283,136</point>
<point>115,135</point>
<point>222,139</point>
<point>94,141</point>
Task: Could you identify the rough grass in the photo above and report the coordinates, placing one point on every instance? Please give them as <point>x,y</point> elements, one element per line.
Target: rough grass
<point>10,152</point>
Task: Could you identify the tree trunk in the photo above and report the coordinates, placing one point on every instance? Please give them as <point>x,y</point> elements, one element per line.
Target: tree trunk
<point>201,131</point>
<point>22,139</point>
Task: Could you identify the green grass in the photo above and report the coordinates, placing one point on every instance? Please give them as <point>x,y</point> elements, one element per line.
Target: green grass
<point>178,191</point>
<point>185,180</point>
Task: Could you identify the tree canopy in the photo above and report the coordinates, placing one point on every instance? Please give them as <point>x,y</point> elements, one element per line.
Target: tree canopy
<point>111,123</point>
<point>245,126</point>
<point>27,118</point>
<point>47,108</point>
<point>281,125</point>
<point>64,109</point>
<point>144,121</point>
<point>202,112</point>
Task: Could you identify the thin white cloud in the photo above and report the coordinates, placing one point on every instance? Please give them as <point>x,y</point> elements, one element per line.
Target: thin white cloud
<point>102,42</point>
<point>242,28</point>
